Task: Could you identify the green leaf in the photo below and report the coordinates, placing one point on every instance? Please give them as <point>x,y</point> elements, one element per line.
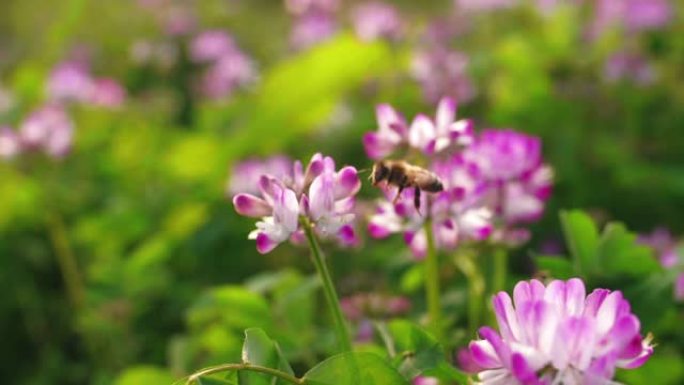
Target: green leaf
<point>557,266</point>
<point>582,237</point>
<point>149,375</point>
<point>354,369</point>
<point>619,253</point>
<point>418,353</point>
<point>260,350</point>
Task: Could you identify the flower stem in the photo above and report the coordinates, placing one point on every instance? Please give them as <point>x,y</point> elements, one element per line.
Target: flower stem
<point>65,259</point>
<point>476,288</point>
<point>500,262</point>
<point>343,339</point>
<point>432,284</point>
<point>250,367</point>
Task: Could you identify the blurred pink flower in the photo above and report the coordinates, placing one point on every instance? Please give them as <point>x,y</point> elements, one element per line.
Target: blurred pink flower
<point>630,15</point>
<point>442,72</point>
<point>10,145</point>
<point>211,45</point>
<point>626,66</point>
<point>245,176</point>
<point>300,7</point>
<point>556,334</point>
<point>376,20</point>
<point>484,5</point>
<point>48,129</point>
<point>311,29</point>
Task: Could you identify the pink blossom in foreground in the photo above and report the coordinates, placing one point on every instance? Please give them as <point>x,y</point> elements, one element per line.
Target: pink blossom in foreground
<point>322,194</point>
<point>557,334</point>
<point>376,20</point>
<point>456,214</point>
<point>518,182</point>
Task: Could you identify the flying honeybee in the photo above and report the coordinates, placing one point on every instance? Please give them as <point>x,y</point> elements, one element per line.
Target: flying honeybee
<point>402,174</point>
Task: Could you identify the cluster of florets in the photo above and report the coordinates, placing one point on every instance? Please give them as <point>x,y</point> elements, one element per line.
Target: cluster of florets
<point>492,181</point>
<point>319,196</point>
<point>556,334</point>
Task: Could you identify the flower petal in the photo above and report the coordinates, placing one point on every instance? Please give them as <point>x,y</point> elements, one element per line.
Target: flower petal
<point>347,183</point>
<point>251,206</point>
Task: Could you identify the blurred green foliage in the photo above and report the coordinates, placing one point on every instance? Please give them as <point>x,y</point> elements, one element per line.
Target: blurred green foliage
<point>165,281</point>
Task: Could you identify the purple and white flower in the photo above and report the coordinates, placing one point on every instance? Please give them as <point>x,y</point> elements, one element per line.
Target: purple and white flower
<point>322,195</point>
<point>376,20</point>
<point>557,334</point>
<point>425,134</point>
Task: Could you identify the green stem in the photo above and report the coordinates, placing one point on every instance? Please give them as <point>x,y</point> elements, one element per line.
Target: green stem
<point>343,339</point>
<point>476,288</point>
<point>500,261</point>
<point>250,367</point>
<point>66,260</point>
<point>432,284</point>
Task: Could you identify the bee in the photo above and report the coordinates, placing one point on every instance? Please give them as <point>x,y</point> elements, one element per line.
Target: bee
<point>402,174</point>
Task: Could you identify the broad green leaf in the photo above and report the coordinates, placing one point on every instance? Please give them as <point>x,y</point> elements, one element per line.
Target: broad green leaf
<point>354,369</point>
<point>260,350</point>
<point>231,306</point>
<point>582,238</point>
<point>418,353</point>
<point>619,253</point>
<point>300,94</point>
<point>415,349</point>
<point>149,375</point>
<point>557,266</point>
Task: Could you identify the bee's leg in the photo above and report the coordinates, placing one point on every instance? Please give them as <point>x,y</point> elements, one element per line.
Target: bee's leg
<point>396,198</point>
<point>416,199</point>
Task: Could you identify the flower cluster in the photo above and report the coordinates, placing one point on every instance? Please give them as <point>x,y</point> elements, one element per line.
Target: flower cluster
<point>48,129</point>
<point>71,81</point>
<point>430,136</point>
<point>667,249</point>
<point>364,308</point>
<point>555,334</point>
<point>630,15</point>
<point>320,194</point>
<point>493,181</point>
<point>227,66</point>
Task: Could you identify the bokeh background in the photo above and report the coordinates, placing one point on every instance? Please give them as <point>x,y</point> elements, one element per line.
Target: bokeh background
<point>122,260</point>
